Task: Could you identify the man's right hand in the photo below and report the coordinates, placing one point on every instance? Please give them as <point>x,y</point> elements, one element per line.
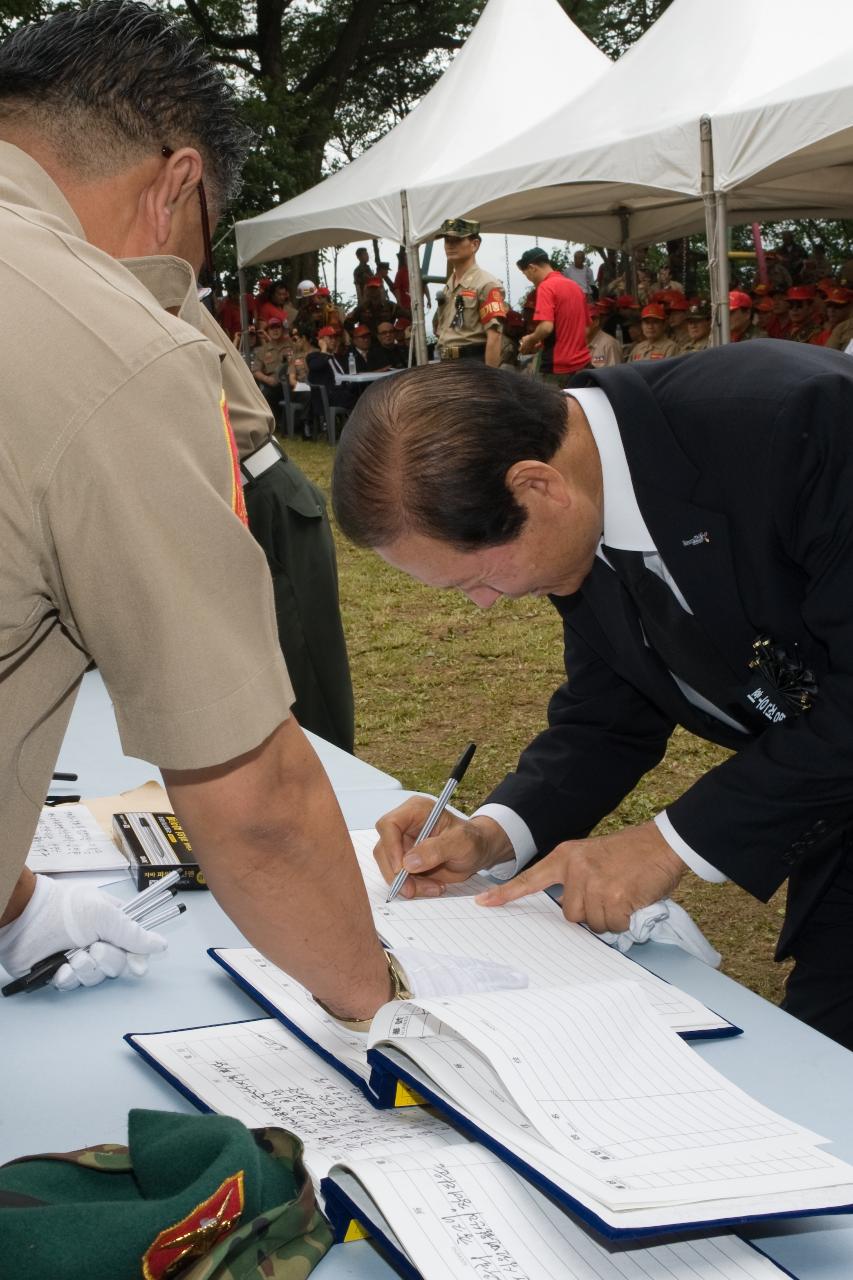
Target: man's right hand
<point>456,850</point>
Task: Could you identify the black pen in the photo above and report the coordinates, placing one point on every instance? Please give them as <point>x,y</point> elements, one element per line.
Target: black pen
<point>457,773</point>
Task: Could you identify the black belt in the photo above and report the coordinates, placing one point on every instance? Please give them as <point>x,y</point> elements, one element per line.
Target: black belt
<point>467,351</point>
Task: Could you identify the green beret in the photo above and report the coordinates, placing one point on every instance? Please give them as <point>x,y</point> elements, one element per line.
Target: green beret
<point>458,227</point>
<point>195,1197</point>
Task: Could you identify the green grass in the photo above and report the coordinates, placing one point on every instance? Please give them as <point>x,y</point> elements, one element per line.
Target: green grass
<point>431,671</point>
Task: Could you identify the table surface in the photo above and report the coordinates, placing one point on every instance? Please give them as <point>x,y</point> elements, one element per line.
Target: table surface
<point>365,377</point>
<point>68,1079</point>
<point>93,751</point>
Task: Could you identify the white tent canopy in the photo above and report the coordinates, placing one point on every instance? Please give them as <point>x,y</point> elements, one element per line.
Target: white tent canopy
<point>631,146</point>
<point>470,109</point>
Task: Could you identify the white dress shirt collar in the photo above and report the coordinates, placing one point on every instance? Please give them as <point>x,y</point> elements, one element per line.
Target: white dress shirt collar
<point>624,526</point>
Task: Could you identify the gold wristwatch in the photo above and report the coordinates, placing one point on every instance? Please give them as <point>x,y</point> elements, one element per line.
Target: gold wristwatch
<point>400,984</point>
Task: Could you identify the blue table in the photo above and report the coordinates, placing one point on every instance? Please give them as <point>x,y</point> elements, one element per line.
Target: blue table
<point>68,1079</point>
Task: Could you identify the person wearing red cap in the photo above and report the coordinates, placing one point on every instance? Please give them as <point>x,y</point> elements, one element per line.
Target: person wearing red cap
<point>677,307</point>
<point>837,304</point>
<point>764,317</point>
<point>740,316</point>
<point>654,344</point>
<point>364,347</point>
<point>374,308</point>
<point>842,333</point>
<point>802,326</point>
<point>603,348</point>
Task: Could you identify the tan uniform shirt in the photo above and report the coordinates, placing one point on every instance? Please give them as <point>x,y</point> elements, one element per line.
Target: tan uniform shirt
<point>481,306</point>
<point>680,337</point>
<point>699,344</point>
<point>123,542</point>
<point>660,350</point>
<point>604,350</point>
<point>269,357</point>
<point>841,335</point>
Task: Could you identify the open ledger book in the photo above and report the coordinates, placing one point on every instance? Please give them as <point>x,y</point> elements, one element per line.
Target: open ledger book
<point>441,1207</point>
<point>580,1082</point>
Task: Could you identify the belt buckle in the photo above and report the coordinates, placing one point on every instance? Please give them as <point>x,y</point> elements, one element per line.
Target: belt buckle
<point>450,353</point>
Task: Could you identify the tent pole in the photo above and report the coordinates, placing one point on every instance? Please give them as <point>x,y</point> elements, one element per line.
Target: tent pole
<point>627,250</point>
<point>244,314</point>
<point>416,288</point>
<point>715,227</point>
<point>711,228</point>
<point>723,266</point>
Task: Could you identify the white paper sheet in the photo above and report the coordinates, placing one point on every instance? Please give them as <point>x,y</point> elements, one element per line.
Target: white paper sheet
<point>590,1088</point>
<point>261,1074</point>
<point>462,1213</point>
<point>530,934</point>
<point>68,838</point>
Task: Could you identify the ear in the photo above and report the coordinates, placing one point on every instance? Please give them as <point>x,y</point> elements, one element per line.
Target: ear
<point>170,195</point>
<point>531,480</point>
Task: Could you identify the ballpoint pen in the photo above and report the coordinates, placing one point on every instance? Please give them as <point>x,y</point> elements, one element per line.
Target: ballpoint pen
<point>149,908</point>
<point>457,773</point>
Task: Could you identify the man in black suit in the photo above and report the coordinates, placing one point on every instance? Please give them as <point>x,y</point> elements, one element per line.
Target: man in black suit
<point>692,522</point>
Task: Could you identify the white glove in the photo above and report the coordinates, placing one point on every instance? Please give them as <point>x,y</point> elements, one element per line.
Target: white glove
<point>665,921</point>
<point>59,917</point>
<point>429,974</point>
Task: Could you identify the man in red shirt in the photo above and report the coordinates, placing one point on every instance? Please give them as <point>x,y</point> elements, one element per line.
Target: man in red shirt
<point>560,319</point>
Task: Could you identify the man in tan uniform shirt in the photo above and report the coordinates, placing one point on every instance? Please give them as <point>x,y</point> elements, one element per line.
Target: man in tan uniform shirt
<point>123,520</point>
<point>654,345</point>
<point>471,308</point>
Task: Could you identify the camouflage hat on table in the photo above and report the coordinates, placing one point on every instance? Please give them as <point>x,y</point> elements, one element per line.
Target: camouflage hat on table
<point>458,227</point>
<point>190,1198</point>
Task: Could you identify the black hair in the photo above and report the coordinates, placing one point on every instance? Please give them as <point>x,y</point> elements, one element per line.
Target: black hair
<point>107,83</point>
<point>428,451</point>
<point>269,293</point>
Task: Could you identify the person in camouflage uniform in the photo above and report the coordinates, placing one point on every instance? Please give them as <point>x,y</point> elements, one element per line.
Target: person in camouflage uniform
<point>189,1198</point>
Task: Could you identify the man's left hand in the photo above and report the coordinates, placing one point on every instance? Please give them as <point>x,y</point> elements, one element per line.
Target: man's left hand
<point>604,879</point>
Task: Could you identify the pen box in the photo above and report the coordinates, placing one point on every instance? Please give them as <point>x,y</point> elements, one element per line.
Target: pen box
<point>153,844</point>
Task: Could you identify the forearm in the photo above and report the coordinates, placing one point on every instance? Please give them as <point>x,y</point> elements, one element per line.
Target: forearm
<point>273,846</point>
<point>21,895</point>
<point>493,347</point>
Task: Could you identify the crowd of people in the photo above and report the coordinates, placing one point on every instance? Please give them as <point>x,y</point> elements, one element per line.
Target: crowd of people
<point>310,342</point>
<point>569,320</point>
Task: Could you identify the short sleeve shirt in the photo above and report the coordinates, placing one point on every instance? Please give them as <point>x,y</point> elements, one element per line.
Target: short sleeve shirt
<point>561,302</point>
<point>124,535</point>
<point>477,302</point>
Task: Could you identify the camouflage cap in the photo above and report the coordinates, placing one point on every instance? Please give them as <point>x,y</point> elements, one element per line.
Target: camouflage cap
<point>458,227</point>
<point>190,1198</point>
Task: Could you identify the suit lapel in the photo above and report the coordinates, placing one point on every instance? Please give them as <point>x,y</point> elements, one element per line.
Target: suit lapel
<point>693,540</point>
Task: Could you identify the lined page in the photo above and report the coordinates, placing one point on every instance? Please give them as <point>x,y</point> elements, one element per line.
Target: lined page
<point>461,1213</point>
<point>296,1004</point>
<point>261,1074</point>
<point>599,1094</point>
<point>530,934</point>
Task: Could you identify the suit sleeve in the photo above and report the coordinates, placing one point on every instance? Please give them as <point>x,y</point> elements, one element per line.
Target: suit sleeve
<point>602,736</point>
<point>788,795</point>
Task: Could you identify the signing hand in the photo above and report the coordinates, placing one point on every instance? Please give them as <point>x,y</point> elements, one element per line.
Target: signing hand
<point>456,850</point>
<point>604,879</point>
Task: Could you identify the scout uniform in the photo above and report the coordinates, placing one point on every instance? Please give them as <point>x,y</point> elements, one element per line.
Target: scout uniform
<point>467,307</point>
<point>125,539</point>
<point>698,311</point>
<point>841,335</point>
<point>269,357</point>
<point>287,515</point>
<point>653,348</point>
<point>604,350</point>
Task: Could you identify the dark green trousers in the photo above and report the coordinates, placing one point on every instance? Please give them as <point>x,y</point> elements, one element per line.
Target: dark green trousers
<point>287,515</point>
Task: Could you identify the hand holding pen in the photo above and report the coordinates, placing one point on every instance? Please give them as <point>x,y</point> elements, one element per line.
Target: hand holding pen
<point>410,861</point>
<point>110,937</point>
